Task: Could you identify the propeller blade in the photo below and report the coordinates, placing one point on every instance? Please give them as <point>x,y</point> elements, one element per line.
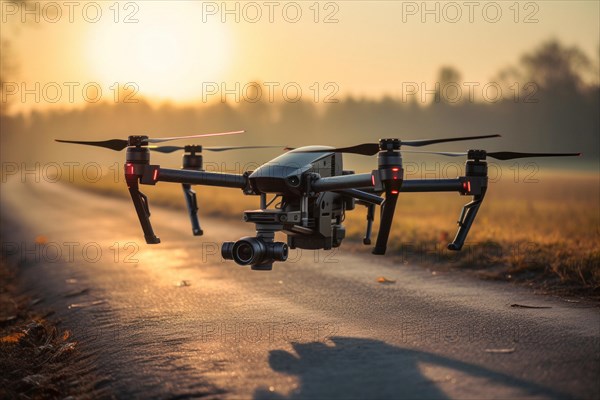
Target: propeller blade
<point>160,140</point>
<point>442,153</point>
<point>226,148</point>
<point>171,149</point>
<point>365,149</point>
<point>426,142</point>
<point>165,149</point>
<point>498,155</point>
<point>509,155</point>
<point>113,144</point>
<point>370,149</point>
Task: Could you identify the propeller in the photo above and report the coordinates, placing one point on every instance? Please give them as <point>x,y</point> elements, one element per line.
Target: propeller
<point>498,155</point>
<point>171,149</point>
<point>120,144</point>
<point>369,149</point>
<point>113,144</point>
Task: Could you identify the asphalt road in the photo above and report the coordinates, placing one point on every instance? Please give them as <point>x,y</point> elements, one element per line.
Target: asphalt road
<point>173,320</point>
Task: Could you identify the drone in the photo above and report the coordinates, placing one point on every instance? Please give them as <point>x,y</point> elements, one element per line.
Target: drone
<point>313,190</point>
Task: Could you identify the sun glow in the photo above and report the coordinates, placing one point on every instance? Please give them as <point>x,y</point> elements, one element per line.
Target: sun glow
<point>167,54</point>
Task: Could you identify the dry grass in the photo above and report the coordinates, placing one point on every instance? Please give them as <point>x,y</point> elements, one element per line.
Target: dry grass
<point>546,233</point>
<point>36,359</point>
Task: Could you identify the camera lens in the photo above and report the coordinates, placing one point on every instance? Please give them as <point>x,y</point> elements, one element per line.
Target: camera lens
<point>255,251</point>
<point>244,252</point>
<point>248,250</point>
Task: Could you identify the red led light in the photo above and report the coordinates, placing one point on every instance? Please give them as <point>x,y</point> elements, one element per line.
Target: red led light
<point>155,175</point>
<point>394,192</point>
<point>466,186</point>
<point>373,179</point>
<point>395,169</point>
<point>129,169</point>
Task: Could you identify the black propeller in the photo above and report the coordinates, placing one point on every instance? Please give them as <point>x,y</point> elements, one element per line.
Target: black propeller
<point>171,149</point>
<point>369,149</point>
<point>498,155</point>
<point>113,144</point>
<point>120,144</point>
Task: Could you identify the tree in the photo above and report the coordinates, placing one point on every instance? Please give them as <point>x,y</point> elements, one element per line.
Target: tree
<point>448,88</point>
<point>557,68</point>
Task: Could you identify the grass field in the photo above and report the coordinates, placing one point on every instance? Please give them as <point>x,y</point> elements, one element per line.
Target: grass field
<point>545,233</point>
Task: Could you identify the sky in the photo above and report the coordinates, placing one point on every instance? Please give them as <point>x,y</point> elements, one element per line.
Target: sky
<point>71,53</point>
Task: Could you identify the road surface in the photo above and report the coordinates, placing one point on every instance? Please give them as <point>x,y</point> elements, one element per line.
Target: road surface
<point>175,321</point>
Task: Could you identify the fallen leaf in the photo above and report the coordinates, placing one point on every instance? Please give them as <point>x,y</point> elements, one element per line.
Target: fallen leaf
<point>12,338</point>
<point>87,304</point>
<point>383,279</point>
<point>41,239</point>
<point>526,306</point>
<point>500,351</point>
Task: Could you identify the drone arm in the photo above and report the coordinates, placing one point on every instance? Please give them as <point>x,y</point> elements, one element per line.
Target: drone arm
<point>469,185</point>
<point>432,185</point>
<point>201,178</point>
<point>365,197</point>
<point>136,173</point>
<point>353,181</point>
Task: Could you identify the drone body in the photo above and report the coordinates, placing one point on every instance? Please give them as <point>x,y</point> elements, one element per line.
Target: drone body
<point>313,191</point>
<point>311,220</point>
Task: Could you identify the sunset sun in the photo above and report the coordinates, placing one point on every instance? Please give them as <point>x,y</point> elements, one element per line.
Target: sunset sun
<point>166,55</point>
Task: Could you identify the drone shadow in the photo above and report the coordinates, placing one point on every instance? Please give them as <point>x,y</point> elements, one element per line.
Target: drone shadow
<point>366,369</point>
